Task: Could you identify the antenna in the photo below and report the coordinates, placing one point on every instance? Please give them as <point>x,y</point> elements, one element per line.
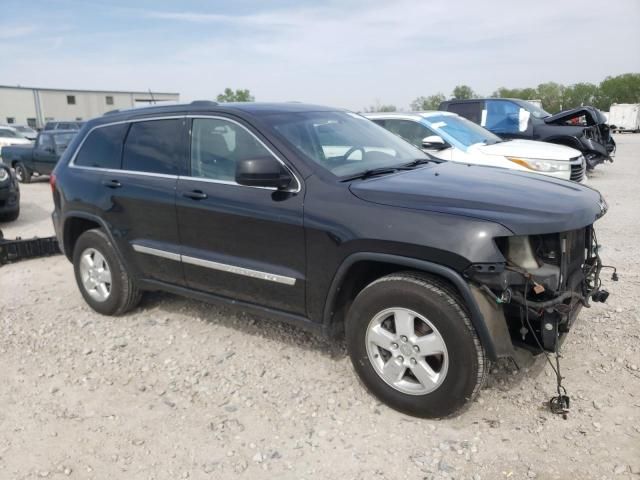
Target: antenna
<point>153,100</point>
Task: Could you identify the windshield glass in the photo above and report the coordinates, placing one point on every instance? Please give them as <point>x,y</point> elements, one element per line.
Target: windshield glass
<point>5,132</point>
<point>63,139</point>
<point>535,110</point>
<point>25,129</point>
<point>344,143</point>
<point>455,129</point>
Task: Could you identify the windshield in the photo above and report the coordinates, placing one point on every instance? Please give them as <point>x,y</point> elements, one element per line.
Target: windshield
<point>5,132</point>
<point>535,110</point>
<point>25,129</point>
<point>63,139</point>
<point>459,130</point>
<point>344,143</point>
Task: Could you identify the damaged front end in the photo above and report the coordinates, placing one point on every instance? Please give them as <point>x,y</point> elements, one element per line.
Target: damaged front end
<point>594,134</point>
<point>540,289</point>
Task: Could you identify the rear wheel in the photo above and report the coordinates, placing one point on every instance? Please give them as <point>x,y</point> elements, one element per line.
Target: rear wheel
<point>23,174</point>
<point>413,345</point>
<point>103,280</point>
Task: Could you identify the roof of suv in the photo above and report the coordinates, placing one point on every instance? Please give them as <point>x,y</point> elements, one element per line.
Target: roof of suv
<point>252,108</point>
<point>409,115</point>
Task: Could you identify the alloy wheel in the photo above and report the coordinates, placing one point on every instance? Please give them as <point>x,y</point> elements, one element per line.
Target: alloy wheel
<point>407,351</point>
<point>95,274</point>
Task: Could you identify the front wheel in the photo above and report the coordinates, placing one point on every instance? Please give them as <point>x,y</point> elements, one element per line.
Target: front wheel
<point>412,344</point>
<point>23,174</point>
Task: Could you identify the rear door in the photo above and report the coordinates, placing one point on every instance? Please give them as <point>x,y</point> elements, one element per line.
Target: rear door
<point>140,197</point>
<point>239,242</point>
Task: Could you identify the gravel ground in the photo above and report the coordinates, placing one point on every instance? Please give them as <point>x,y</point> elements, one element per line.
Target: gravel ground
<point>181,389</point>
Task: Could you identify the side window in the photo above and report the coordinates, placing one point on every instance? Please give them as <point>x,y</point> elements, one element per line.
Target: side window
<point>469,110</point>
<point>502,116</point>
<point>154,146</point>
<point>45,141</point>
<point>103,147</point>
<point>412,132</point>
<point>217,144</point>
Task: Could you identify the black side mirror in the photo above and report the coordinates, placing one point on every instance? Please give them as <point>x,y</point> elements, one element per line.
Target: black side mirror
<point>262,172</point>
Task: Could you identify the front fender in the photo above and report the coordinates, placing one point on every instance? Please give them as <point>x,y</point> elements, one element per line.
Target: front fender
<point>490,325</point>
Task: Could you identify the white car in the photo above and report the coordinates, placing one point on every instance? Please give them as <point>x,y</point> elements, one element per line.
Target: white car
<point>451,137</point>
<point>10,136</point>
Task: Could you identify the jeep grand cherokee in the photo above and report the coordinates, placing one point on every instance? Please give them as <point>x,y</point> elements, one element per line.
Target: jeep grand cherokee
<point>319,217</point>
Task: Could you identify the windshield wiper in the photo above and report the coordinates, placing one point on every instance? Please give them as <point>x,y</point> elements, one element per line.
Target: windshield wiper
<point>372,173</point>
<point>421,161</point>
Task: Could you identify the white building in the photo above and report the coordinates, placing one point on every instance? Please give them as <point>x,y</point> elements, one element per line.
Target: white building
<point>36,106</point>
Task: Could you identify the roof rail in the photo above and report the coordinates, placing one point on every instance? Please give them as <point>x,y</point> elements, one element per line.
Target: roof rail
<point>111,112</point>
<point>204,103</point>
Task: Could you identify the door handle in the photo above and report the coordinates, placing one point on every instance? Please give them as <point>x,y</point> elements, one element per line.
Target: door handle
<point>111,183</point>
<point>195,194</point>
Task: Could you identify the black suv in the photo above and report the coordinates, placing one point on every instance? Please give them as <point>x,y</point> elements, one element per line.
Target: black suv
<point>582,128</point>
<point>321,218</point>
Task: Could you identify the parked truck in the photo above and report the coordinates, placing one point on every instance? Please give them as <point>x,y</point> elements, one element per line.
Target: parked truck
<point>38,158</point>
<point>625,117</point>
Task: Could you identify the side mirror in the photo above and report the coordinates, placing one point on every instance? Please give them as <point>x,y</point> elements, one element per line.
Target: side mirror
<point>434,142</point>
<point>262,172</point>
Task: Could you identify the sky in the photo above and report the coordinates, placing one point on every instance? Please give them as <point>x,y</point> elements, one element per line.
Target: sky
<point>347,53</point>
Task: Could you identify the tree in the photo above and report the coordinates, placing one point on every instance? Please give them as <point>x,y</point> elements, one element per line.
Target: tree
<point>623,88</point>
<point>432,102</point>
<point>551,95</point>
<point>463,92</point>
<point>381,108</point>
<point>579,94</point>
<point>521,93</point>
<point>237,96</point>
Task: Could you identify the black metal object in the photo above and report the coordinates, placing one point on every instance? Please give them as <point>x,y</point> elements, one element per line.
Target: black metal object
<point>22,249</point>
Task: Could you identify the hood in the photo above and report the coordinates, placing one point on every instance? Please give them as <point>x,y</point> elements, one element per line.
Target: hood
<point>523,202</point>
<point>592,114</point>
<point>530,149</point>
<point>6,141</point>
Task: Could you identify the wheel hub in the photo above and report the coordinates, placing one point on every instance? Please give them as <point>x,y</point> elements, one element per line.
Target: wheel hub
<point>407,351</point>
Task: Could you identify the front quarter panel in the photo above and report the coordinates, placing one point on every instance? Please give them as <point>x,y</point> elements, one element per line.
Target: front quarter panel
<point>338,224</point>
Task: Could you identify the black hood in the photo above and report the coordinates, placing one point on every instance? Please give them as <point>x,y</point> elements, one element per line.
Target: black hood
<point>525,203</point>
<point>592,115</point>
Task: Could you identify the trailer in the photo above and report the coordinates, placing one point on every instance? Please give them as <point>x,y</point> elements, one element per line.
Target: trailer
<point>625,117</point>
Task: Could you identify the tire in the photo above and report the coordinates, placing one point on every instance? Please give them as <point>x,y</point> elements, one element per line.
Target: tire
<point>10,216</point>
<point>23,174</point>
<point>439,321</point>
<point>102,279</point>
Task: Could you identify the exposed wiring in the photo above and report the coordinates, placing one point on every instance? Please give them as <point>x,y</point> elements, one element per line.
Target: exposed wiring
<point>560,403</point>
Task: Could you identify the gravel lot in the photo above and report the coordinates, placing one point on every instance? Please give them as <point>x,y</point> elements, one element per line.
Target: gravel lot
<point>181,389</point>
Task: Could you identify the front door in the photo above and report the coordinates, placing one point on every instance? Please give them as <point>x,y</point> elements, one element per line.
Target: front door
<point>44,154</point>
<point>239,242</point>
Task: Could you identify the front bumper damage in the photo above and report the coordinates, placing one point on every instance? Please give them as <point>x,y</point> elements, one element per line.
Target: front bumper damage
<point>532,300</point>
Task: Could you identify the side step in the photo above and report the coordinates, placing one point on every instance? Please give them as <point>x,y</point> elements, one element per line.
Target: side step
<point>15,250</point>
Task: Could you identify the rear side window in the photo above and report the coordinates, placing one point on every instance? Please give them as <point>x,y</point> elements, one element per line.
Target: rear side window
<point>154,146</point>
<point>103,147</point>
<point>469,110</point>
<point>412,132</point>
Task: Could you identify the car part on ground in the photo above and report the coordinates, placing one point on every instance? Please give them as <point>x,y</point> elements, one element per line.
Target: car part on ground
<point>448,136</point>
<point>583,128</point>
<point>12,251</point>
<point>322,219</point>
